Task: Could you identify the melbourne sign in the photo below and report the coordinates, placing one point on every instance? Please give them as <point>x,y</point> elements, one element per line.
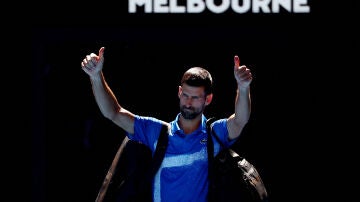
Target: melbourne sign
<point>218,6</point>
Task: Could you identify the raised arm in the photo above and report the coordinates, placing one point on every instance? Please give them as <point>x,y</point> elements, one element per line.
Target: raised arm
<point>238,120</point>
<point>104,96</point>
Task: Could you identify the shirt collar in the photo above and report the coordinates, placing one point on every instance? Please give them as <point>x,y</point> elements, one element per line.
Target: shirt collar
<point>175,128</point>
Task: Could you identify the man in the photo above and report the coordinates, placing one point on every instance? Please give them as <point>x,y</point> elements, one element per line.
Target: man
<point>183,175</point>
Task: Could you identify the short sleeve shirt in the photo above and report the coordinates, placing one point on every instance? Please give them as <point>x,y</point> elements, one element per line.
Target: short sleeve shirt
<point>183,174</point>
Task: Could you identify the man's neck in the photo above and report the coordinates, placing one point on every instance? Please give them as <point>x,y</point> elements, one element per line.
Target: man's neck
<point>189,125</point>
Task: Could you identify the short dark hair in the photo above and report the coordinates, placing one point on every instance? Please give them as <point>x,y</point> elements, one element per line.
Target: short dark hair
<point>198,76</point>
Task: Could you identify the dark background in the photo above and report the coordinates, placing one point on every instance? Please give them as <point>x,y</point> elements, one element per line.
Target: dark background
<point>298,136</point>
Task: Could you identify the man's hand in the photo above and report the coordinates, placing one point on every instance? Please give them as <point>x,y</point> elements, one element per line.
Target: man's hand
<point>242,74</point>
<point>93,64</point>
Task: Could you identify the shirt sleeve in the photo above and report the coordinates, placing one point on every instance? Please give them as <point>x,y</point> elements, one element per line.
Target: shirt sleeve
<point>146,130</point>
<point>220,128</point>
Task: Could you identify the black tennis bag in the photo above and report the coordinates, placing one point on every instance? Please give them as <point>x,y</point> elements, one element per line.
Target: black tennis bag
<point>232,178</point>
<point>130,182</point>
<point>129,178</point>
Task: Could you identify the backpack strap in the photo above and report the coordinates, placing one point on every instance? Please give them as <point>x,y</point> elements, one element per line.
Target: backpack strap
<point>210,150</point>
<point>160,150</point>
<point>212,133</point>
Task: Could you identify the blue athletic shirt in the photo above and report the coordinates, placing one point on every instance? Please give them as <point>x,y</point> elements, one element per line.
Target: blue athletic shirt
<point>183,175</point>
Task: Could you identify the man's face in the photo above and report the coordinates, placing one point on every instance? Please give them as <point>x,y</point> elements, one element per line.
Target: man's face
<point>192,101</point>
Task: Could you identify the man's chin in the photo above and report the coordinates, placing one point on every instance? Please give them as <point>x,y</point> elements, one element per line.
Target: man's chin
<point>188,116</point>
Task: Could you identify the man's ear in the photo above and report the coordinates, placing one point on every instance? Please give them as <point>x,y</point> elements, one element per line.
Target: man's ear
<point>208,99</point>
<point>179,91</point>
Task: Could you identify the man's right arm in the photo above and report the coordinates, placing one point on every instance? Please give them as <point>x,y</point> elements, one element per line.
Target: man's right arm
<point>104,96</point>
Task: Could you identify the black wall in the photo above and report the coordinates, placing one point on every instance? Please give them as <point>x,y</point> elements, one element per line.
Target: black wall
<point>298,127</point>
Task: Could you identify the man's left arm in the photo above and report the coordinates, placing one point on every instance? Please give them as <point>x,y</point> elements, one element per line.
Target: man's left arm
<point>237,121</point>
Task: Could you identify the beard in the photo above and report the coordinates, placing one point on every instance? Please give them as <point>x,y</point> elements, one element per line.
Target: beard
<point>190,112</point>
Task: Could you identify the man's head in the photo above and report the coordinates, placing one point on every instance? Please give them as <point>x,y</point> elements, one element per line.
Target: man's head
<point>198,77</point>
<point>195,92</point>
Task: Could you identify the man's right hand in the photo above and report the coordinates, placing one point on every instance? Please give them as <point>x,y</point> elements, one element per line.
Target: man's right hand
<point>93,64</point>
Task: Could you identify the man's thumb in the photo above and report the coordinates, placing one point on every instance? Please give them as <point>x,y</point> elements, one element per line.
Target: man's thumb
<point>101,53</point>
<point>236,61</point>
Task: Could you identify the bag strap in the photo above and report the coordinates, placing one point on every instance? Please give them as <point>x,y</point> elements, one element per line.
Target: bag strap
<point>160,149</point>
<point>210,149</point>
<point>212,133</point>
<point>108,177</point>
<point>157,159</point>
